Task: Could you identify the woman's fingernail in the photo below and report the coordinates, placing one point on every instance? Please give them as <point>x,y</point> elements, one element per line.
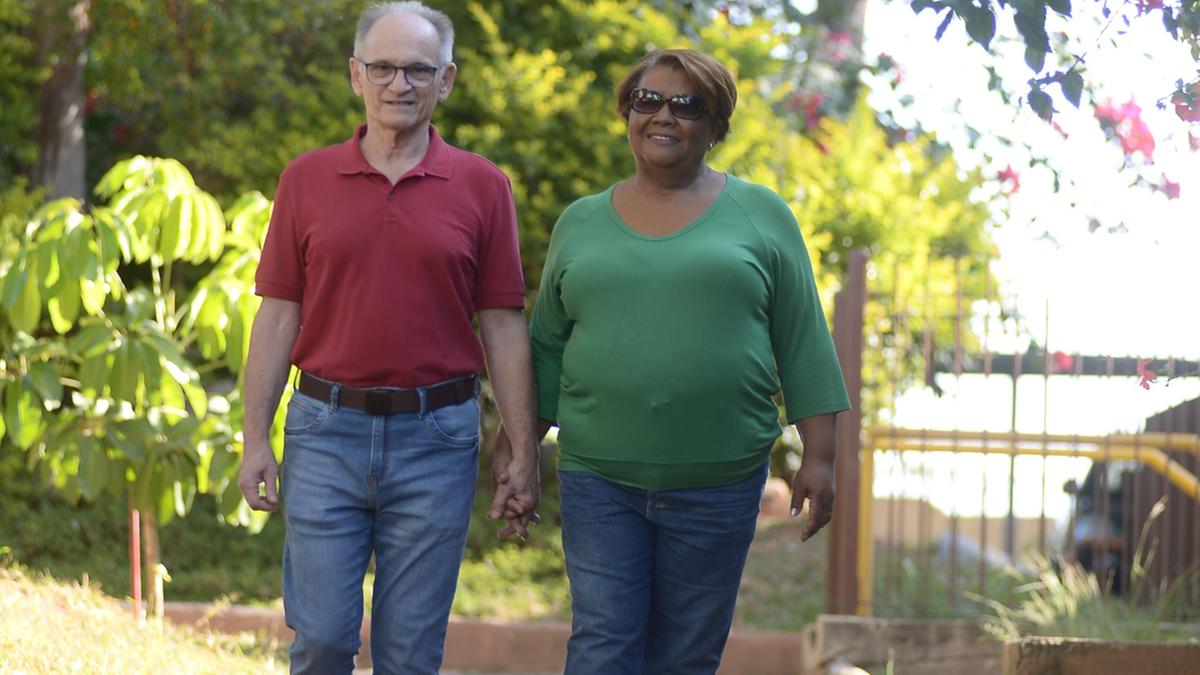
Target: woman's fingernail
<point>795,511</point>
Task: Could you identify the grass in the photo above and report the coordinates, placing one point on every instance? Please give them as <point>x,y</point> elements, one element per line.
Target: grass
<point>917,583</point>
<point>1066,600</point>
<point>783,587</point>
<point>515,584</point>
<point>49,626</point>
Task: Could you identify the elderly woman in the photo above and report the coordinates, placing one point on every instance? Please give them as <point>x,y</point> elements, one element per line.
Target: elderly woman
<point>673,306</point>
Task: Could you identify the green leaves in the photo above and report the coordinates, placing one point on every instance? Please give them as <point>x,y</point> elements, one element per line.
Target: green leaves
<point>1041,103</point>
<point>1031,24</point>
<point>1072,86</point>
<point>1062,7</point>
<point>93,467</point>
<point>26,307</point>
<point>22,415</point>
<point>111,362</point>
<point>171,218</point>
<point>46,382</point>
<point>68,263</point>
<point>941,29</point>
<point>1030,19</point>
<point>980,22</point>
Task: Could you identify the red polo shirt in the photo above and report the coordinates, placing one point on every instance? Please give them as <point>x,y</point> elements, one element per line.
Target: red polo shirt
<point>389,276</point>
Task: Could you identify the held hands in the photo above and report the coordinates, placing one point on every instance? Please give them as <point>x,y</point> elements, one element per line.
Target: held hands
<point>516,484</point>
<point>257,477</point>
<point>814,482</point>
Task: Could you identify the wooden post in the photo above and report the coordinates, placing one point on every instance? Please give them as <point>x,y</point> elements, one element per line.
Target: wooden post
<point>842,585</point>
<point>135,560</point>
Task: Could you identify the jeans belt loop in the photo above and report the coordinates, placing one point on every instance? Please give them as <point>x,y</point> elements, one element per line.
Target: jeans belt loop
<point>334,395</point>
<point>423,397</point>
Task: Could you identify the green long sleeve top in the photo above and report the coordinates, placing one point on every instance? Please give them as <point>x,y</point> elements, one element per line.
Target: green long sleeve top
<point>658,357</point>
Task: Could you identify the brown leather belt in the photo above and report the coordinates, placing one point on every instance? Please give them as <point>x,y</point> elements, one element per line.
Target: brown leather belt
<point>387,401</point>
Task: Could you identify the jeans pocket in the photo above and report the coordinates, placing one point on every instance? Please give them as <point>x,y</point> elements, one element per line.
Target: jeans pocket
<point>304,414</point>
<point>456,424</point>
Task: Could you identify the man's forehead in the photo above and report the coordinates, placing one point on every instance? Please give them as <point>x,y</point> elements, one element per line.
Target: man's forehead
<point>401,35</point>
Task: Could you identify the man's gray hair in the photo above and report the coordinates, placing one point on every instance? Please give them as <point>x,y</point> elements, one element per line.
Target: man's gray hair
<point>441,23</point>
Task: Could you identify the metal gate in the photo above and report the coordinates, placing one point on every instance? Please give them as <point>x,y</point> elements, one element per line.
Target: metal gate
<point>947,490</point>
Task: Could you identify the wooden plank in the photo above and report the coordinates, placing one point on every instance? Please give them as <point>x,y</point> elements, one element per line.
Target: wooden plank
<point>926,647</point>
<point>1066,656</point>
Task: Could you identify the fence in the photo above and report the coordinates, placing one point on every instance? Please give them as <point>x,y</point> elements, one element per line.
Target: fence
<point>950,479</point>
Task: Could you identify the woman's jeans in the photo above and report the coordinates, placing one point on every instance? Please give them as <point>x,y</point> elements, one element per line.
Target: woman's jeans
<point>654,575</point>
<point>399,486</point>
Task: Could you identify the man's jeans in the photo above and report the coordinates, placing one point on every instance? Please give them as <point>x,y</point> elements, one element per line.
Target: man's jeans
<point>400,486</point>
<point>654,575</point>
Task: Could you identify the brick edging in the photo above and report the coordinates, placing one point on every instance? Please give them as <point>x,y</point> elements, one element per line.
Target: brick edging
<point>500,646</point>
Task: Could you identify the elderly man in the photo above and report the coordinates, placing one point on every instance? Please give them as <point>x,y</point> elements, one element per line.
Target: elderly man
<point>379,252</point>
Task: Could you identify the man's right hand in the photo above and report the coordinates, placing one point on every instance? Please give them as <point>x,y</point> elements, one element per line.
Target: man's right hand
<point>515,488</point>
<point>258,470</point>
<point>271,339</point>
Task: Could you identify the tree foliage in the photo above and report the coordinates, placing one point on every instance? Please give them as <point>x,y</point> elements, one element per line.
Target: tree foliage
<point>1180,20</point>
<point>19,78</point>
<point>233,90</point>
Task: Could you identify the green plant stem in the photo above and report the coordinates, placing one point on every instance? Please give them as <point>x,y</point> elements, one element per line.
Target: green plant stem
<point>160,307</point>
<point>167,292</point>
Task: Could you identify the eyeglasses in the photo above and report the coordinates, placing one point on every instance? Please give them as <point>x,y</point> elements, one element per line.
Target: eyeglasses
<point>684,106</point>
<point>381,73</point>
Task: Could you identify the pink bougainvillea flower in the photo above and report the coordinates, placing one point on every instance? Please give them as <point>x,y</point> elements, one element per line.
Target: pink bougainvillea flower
<point>1169,188</point>
<point>1187,103</point>
<point>1063,362</point>
<point>1138,139</point>
<point>840,37</point>
<point>810,104</point>
<point>1145,6</point>
<point>1125,124</point>
<point>1107,112</point>
<point>839,46</point>
<point>1145,374</point>
<point>1011,179</point>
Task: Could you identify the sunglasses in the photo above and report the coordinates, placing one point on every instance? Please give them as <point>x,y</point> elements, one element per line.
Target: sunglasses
<point>684,106</point>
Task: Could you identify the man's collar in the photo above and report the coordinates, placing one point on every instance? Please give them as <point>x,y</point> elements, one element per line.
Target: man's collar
<point>437,162</point>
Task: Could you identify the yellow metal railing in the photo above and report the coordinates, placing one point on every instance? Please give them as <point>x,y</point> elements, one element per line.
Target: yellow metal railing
<point>1148,448</point>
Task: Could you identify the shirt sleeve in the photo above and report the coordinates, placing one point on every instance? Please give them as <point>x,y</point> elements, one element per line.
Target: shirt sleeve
<point>499,280</point>
<point>280,272</point>
<point>550,328</point>
<point>809,373</point>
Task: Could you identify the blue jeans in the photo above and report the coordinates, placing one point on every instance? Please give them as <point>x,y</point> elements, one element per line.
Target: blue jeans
<point>399,486</point>
<point>654,575</point>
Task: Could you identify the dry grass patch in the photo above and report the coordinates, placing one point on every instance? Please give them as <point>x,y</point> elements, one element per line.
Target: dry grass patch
<point>53,627</point>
